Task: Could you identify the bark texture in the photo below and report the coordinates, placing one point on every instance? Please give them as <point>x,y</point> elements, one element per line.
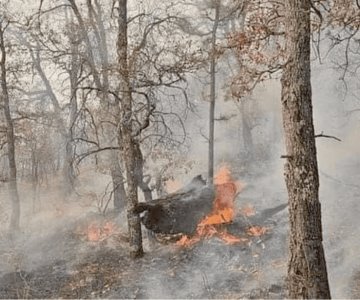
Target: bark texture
<point>118,183</point>
<point>10,138</point>
<point>307,274</point>
<point>126,139</point>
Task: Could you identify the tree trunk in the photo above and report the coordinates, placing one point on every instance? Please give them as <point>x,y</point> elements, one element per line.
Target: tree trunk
<point>10,139</point>
<point>144,186</point>
<point>118,183</point>
<point>139,172</point>
<point>35,179</point>
<point>212,93</point>
<point>125,133</point>
<point>68,168</point>
<point>307,274</point>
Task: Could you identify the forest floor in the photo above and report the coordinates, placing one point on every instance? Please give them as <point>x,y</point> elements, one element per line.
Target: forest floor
<point>87,257</point>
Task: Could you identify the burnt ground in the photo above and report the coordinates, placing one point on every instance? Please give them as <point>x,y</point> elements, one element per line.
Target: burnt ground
<point>59,262</point>
<point>224,272</point>
<point>64,264</point>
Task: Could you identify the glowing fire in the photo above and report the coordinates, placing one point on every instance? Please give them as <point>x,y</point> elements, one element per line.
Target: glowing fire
<point>99,232</point>
<point>257,230</point>
<point>226,190</point>
<point>247,210</point>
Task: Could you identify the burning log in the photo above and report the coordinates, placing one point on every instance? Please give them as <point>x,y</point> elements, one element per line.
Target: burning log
<point>179,212</point>
<point>199,211</point>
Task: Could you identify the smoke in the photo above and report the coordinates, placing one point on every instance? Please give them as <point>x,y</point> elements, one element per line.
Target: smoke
<point>211,266</point>
<point>338,165</point>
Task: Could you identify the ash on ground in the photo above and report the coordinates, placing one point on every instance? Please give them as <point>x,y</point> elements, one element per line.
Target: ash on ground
<point>67,263</point>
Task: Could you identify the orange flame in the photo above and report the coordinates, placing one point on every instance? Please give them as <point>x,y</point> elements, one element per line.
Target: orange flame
<point>93,232</point>
<point>97,232</point>
<point>226,190</point>
<point>257,230</point>
<point>248,210</point>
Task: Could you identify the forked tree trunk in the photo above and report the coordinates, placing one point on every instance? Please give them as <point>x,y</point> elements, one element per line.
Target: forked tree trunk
<point>307,274</point>
<point>125,133</point>
<point>10,138</point>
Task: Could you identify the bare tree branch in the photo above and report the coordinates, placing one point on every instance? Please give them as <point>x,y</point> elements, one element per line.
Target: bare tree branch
<point>327,136</point>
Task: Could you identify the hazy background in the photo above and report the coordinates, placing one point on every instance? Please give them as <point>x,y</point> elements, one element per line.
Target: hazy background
<point>262,175</point>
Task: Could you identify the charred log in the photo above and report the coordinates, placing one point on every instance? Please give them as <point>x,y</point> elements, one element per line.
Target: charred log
<point>179,212</point>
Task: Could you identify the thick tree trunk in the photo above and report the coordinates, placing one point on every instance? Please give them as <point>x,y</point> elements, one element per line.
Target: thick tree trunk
<point>307,274</point>
<point>212,93</point>
<point>125,133</point>
<point>10,139</point>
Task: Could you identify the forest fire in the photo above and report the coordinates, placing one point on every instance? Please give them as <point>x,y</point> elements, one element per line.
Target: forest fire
<point>257,230</point>
<point>97,232</point>
<point>223,211</point>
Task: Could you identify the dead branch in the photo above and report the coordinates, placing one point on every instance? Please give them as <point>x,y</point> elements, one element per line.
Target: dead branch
<point>84,155</point>
<point>327,136</point>
<point>204,135</point>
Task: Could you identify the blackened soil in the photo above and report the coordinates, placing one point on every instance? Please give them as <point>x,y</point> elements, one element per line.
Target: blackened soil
<point>251,269</point>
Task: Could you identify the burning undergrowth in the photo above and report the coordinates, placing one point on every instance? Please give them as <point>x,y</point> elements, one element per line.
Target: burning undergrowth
<point>209,269</point>
<point>89,258</point>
